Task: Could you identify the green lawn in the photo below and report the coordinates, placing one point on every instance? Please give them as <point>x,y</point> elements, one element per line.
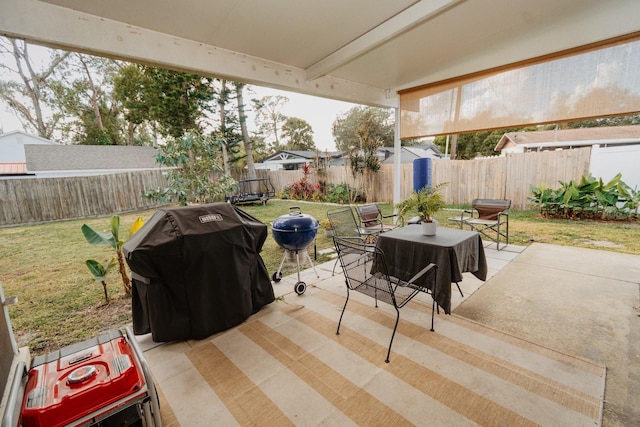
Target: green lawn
<point>59,303</point>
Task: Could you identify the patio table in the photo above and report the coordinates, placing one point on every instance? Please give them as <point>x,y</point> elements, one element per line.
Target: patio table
<point>407,250</point>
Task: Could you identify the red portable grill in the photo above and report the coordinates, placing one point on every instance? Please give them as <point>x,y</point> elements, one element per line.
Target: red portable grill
<point>104,381</point>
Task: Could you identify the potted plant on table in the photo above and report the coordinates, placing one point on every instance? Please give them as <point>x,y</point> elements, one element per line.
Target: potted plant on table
<point>426,202</point>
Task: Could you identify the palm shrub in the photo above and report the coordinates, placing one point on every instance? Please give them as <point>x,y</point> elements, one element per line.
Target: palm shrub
<point>425,202</point>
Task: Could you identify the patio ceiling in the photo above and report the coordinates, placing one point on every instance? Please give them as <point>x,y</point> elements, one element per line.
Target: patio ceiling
<point>357,50</point>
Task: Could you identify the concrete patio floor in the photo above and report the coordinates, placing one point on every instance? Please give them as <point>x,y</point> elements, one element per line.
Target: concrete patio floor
<point>583,302</point>
<point>557,320</point>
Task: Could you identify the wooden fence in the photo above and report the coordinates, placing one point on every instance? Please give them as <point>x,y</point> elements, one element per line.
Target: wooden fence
<point>497,177</point>
<point>28,201</point>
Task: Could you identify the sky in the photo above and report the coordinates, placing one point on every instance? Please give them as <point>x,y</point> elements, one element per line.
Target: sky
<point>320,113</point>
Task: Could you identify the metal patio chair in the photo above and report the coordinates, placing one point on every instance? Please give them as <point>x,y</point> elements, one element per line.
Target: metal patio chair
<point>343,222</point>
<point>365,271</point>
<point>489,217</point>
<point>371,220</point>
<point>344,225</point>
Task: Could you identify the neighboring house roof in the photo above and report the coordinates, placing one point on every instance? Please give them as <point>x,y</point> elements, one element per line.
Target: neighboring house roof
<point>89,158</point>
<point>571,137</point>
<point>426,147</point>
<point>290,155</point>
<point>294,155</point>
<point>409,154</point>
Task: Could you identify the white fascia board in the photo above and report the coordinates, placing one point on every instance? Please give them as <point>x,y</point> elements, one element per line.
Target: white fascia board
<point>583,142</point>
<point>286,161</point>
<point>405,20</point>
<point>69,29</point>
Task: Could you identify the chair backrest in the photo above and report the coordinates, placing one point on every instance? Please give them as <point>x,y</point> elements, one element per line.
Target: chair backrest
<point>343,223</point>
<point>364,269</point>
<point>490,209</point>
<point>369,215</point>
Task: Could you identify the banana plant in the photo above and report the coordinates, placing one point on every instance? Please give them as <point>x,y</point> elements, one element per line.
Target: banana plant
<point>546,199</point>
<point>631,199</point>
<point>112,238</point>
<point>587,198</point>
<point>100,271</point>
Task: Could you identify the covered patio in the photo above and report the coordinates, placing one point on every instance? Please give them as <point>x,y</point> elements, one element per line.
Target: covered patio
<point>519,349</point>
<point>285,365</point>
<point>445,66</point>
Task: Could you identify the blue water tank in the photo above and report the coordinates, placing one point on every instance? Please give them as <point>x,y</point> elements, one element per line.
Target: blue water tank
<point>421,173</point>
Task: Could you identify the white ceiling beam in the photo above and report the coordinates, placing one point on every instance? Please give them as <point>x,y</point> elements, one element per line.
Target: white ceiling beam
<point>65,28</point>
<point>405,20</point>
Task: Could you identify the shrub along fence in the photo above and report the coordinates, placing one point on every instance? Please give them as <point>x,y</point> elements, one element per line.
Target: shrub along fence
<point>34,200</point>
<point>506,177</point>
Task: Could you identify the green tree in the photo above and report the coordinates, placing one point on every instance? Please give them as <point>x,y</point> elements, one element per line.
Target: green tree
<point>130,86</point>
<point>259,149</point>
<point>298,134</point>
<point>364,161</point>
<point>377,122</point>
<point>86,98</point>
<point>633,119</point>
<point>269,118</point>
<point>86,131</point>
<point>470,145</point>
<point>195,171</point>
<point>178,102</point>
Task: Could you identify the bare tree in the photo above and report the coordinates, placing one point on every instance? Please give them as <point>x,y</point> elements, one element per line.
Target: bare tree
<point>87,97</point>
<point>245,133</point>
<point>222,101</point>
<point>32,94</point>
<point>94,92</point>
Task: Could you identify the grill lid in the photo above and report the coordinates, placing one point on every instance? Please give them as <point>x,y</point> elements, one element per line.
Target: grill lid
<point>295,221</point>
<point>294,231</point>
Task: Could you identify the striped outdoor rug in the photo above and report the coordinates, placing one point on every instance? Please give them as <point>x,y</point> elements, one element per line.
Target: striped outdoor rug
<point>287,366</point>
